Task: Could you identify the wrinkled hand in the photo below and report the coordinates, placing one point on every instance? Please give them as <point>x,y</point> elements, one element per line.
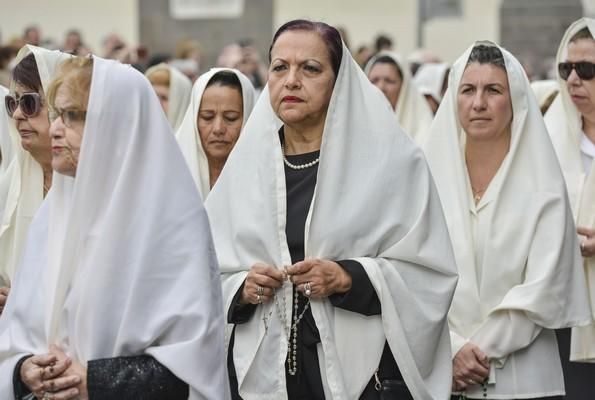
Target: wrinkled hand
<point>470,366</point>
<point>264,276</point>
<point>71,383</point>
<point>325,277</point>
<point>4,291</point>
<point>35,370</point>
<point>588,243</point>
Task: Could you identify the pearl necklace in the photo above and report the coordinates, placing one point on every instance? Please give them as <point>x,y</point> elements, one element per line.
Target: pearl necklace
<point>299,167</point>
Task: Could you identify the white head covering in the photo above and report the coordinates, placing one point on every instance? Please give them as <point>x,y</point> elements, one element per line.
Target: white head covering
<point>180,88</point>
<point>564,123</point>
<point>544,90</point>
<point>7,149</point>
<point>129,266</point>
<point>412,109</point>
<point>25,191</point>
<point>528,220</point>
<point>362,208</point>
<point>430,79</point>
<point>188,136</point>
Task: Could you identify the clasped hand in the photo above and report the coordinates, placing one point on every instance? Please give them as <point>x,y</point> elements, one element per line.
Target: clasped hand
<point>55,376</point>
<point>470,366</point>
<point>323,276</point>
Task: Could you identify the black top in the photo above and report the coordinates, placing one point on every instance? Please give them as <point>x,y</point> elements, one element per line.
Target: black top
<point>361,298</point>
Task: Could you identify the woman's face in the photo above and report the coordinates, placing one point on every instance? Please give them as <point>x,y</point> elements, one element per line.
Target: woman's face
<point>484,105</point>
<point>220,120</point>
<point>301,78</point>
<point>162,92</point>
<point>582,92</point>
<point>386,77</point>
<point>34,131</point>
<point>67,134</point>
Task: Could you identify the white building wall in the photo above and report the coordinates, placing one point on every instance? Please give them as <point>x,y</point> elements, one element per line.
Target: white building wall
<point>94,19</point>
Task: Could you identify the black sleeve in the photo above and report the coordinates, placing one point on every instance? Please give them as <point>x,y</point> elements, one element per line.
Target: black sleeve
<point>20,389</point>
<point>361,298</point>
<point>240,313</point>
<point>136,377</point>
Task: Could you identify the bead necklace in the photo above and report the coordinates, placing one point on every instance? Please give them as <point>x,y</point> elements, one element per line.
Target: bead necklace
<point>292,332</point>
<point>299,167</point>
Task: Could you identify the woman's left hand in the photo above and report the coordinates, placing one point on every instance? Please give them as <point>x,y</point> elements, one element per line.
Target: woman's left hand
<point>75,369</point>
<point>324,277</point>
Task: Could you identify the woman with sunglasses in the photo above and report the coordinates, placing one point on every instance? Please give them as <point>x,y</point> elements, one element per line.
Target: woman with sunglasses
<point>31,176</point>
<point>102,307</point>
<point>571,123</point>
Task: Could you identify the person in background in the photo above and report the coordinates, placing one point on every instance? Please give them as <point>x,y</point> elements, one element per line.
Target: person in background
<point>173,90</point>
<point>388,73</point>
<point>432,81</point>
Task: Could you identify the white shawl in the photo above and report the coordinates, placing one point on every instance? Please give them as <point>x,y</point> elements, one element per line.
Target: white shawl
<point>544,90</point>
<point>120,260</point>
<point>564,124</point>
<point>180,88</point>
<point>527,272</point>
<point>430,79</point>
<point>25,190</point>
<point>374,202</point>
<point>7,149</point>
<point>188,136</point>
<point>412,110</point>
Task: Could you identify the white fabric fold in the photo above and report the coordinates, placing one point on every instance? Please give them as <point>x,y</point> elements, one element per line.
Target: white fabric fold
<point>518,259</point>
<point>120,259</point>
<point>8,148</point>
<point>374,202</point>
<point>430,79</point>
<point>188,136</point>
<point>180,88</point>
<point>412,110</point>
<point>564,123</point>
<point>25,190</point>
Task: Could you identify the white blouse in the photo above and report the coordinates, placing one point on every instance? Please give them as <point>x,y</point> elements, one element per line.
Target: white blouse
<point>587,152</point>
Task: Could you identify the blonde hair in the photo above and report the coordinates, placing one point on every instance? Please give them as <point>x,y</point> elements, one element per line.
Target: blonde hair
<point>75,75</point>
<point>159,76</point>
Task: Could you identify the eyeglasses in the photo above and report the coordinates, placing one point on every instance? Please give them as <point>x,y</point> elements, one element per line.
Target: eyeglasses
<point>30,104</point>
<point>69,117</point>
<point>584,69</point>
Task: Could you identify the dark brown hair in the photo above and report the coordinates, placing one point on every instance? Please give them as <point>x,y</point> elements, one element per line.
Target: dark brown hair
<point>330,36</point>
<point>25,73</point>
<point>584,33</point>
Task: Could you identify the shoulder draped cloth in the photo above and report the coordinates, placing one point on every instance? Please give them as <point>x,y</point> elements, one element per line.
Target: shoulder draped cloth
<point>7,151</point>
<point>179,93</point>
<point>188,136</point>
<point>564,124</point>
<point>374,202</point>
<point>24,183</point>
<point>412,110</point>
<point>527,271</point>
<point>120,260</point>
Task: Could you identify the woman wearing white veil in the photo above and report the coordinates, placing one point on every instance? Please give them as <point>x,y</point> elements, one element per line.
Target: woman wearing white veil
<point>173,89</point>
<point>511,225</point>
<point>28,180</point>
<point>431,80</point>
<point>119,270</point>
<point>324,187</point>
<point>221,102</point>
<point>392,77</point>
<point>571,124</point>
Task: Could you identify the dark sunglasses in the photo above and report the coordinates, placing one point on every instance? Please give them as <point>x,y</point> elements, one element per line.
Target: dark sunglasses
<point>30,104</point>
<point>69,117</point>
<point>584,69</point>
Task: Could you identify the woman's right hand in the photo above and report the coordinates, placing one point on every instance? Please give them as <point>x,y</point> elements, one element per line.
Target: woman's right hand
<point>470,366</point>
<point>260,284</point>
<point>35,370</point>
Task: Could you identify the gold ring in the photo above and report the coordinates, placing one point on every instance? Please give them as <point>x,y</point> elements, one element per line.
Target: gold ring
<point>259,299</point>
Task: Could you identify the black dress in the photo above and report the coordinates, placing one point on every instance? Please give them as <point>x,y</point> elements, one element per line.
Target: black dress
<point>306,384</point>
